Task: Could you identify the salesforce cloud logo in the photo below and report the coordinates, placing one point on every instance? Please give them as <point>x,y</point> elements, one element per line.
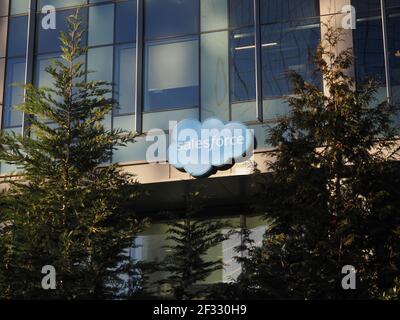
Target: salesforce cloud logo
<point>199,147</point>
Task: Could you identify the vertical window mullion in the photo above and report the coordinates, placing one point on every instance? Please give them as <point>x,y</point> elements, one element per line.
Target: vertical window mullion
<point>139,67</point>
<point>6,7</point>
<point>386,50</point>
<point>258,62</point>
<point>30,51</point>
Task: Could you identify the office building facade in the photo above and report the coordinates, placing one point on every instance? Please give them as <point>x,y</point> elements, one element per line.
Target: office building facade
<point>172,60</point>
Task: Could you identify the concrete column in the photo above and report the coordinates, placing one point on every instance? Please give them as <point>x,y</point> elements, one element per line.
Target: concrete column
<point>331,14</point>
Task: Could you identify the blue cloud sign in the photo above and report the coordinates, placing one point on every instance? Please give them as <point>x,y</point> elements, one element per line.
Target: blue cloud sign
<point>199,147</point>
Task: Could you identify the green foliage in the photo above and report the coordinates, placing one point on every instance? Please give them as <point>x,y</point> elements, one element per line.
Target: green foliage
<point>68,207</point>
<point>192,237</point>
<point>334,192</point>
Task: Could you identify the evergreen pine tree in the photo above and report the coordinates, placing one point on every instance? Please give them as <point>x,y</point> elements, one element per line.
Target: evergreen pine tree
<point>68,207</point>
<point>191,238</point>
<point>334,190</point>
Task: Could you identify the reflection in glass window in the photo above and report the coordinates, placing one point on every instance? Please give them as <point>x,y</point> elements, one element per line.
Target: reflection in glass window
<point>370,62</point>
<point>287,48</point>
<point>43,78</point>
<point>19,6</point>
<point>13,93</point>
<point>61,3</point>
<point>241,13</point>
<point>367,8</point>
<point>100,63</point>
<point>172,75</point>
<point>393,26</point>
<point>288,10</point>
<point>17,44</point>
<point>243,86</point>
<point>392,4</point>
<point>214,15</point>
<point>125,23</point>
<point>124,72</point>
<point>101,25</point>
<point>48,39</point>
<point>215,75</point>
<point>166,18</point>
<point>3,8</point>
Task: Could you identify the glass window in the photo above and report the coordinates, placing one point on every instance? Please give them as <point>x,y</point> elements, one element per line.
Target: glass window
<point>48,39</point>
<point>17,45</point>
<point>370,62</point>
<point>43,78</point>
<point>124,72</point>
<point>243,86</point>
<point>287,48</point>
<point>287,10</point>
<point>367,8</point>
<point>2,69</point>
<point>392,3</point>
<point>3,36</point>
<point>61,3</point>
<point>101,25</point>
<point>241,13</point>
<point>215,75</point>
<point>125,23</point>
<point>4,7</point>
<point>214,15</point>
<point>13,93</point>
<point>165,18</point>
<point>393,26</point>
<point>172,76</point>
<point>100,62</point>
<point>19,6</point>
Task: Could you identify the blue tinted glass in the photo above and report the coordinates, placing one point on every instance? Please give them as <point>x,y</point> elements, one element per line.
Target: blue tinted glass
<point>100,63</point>
<point>288,48</point>
<point>393,24</point>
<point>48,39</point>
<point>172,74</point>
<point>171,18</point>
<point>13,93</point>
<point>392,3</point>
<point>242,68</point>
<point>2,69</point>
<point>124,73</point>
<point>286,10</point>
<point>3,36</point>
<point>368,41</point>
<point>125,22</point>
<point>366,7</point>
<point>241,13</point>
<point>101,25</point>
<point>61,3</point>
<point>19,6</point>
<point>17,44</point>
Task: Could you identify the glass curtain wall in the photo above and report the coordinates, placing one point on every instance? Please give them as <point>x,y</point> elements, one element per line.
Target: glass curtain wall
<point>393,30</point>
<point>150,247</point>
<point>198,57</point>
<point>373,29</point>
